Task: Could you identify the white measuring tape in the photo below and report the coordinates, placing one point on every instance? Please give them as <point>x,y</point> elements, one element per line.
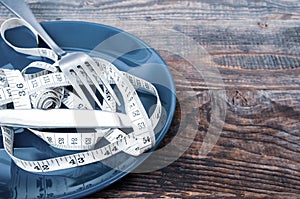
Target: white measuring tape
<point>49,89</point>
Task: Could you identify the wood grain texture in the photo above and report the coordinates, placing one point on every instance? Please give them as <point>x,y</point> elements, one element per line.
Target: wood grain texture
<point>168,9</point>
<point>255,45</point>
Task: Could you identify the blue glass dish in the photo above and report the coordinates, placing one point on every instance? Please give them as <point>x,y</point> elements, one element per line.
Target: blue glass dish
<point>129,54</point>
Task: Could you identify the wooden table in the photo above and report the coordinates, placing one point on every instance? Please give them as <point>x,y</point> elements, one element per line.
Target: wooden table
<point>255,46</point>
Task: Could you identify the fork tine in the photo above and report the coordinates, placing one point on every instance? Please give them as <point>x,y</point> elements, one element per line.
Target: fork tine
<point>68,64</point>
<point>87,86</point>
<point>105,83</point>
<point>96,83</point>
<point>78,90</point>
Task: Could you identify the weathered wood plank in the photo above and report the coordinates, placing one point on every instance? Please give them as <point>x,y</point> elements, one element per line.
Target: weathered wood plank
<point>161,10</point>
<point>257,154</point>
<point>249,160</point>
<point>255,46</point>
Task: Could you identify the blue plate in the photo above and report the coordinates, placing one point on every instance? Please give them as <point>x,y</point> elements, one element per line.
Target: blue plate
<point>129,54</point>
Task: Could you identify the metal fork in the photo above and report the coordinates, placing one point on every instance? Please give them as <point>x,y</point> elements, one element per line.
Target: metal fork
<point>76,65</point>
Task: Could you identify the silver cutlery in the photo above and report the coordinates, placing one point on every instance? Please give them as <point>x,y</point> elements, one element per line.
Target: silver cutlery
<point>63,118</point>
<point>76,65</point>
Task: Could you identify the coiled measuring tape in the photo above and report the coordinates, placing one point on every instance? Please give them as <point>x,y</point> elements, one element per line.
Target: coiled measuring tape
<point>48,89</point>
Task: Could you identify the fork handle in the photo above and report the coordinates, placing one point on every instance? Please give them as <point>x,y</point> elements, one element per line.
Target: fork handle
<point>21,9</point>
<point>63,118</point>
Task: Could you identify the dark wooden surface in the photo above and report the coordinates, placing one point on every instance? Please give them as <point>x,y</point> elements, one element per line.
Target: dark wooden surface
<point>256,46</point>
